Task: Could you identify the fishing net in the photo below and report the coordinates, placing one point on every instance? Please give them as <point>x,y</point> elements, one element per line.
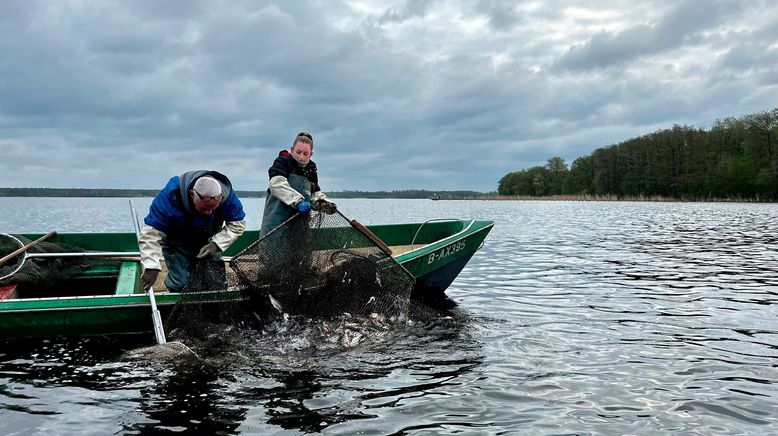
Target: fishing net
<point>208,303</point>
<point>38,273</point>
<point>315,265</point>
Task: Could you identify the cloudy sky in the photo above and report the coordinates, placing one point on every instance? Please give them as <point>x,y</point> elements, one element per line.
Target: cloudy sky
<point>437,95</point>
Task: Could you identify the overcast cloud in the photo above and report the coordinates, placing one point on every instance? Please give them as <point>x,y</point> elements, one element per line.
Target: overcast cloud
<point>425,94</point>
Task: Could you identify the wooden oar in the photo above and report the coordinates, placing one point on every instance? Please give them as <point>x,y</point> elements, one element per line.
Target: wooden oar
<point>26,247</point>
<point>377,241</point>
<point>100,254</point>
<point>370,235</point>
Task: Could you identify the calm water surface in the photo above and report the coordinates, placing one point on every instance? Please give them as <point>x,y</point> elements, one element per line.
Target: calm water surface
<point>574,318</point>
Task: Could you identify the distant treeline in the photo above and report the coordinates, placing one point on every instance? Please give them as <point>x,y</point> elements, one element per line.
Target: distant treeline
<point>735,159</point>
<point>86,192</point>
<point>75,192</point>
<point>408,193</point>
<point>79,192</point>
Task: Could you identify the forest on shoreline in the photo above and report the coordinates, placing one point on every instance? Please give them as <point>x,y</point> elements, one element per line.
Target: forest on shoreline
<point>735,160</point>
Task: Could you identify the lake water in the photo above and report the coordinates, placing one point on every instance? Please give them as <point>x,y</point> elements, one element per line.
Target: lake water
<point>574,318</point>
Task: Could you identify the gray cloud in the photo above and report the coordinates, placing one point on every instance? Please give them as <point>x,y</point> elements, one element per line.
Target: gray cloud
<point>420,94</point>
<point>681,23</point>
<point>502,14</point>
<point>409,10</point>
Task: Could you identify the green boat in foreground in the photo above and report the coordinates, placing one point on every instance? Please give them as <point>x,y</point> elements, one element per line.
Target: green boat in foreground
<point>106,298</point>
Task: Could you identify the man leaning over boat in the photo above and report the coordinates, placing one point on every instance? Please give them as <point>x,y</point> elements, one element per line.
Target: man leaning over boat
<point>196,216</point>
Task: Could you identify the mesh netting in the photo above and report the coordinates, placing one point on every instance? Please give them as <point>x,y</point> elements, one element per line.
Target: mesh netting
<point>207,302</point>
<point>315,265</point>
<point>37,272</point>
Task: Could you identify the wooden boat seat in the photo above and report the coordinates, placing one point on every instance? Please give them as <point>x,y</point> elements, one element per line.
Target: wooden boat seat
<point>402,249</point>
<point>125,281</point>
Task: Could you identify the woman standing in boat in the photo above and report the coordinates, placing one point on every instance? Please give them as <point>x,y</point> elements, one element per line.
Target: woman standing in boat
<point>196,216</point>
<point>294,185</point>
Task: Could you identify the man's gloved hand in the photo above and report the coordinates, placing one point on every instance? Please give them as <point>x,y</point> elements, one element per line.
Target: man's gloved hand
<point>304,206</point>
<point>148,278</point>
<point>209,250</point>
<point>325,206</point>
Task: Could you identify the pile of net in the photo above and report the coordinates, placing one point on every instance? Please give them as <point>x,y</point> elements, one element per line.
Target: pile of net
<point>315,265</point>
<point>31,270</point>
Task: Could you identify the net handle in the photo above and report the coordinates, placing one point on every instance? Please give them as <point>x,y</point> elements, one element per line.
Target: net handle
<point>24,248</point>
<point>370,235</point>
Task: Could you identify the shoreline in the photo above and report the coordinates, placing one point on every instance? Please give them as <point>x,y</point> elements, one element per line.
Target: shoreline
<point>582,198</point>
<point>640,198</point>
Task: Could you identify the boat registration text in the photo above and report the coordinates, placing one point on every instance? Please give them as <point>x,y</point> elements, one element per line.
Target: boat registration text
<point>446,251</point>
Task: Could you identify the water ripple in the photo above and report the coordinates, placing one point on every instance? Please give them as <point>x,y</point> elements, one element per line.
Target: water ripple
<point>574,318</point>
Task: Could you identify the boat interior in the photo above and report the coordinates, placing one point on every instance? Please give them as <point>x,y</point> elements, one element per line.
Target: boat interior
<point>120,275</point>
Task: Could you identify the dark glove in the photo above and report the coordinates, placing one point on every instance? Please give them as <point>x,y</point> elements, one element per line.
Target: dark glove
<point>325,206</point>
<point>148,278</point>
<point>304,206</point>
<point>209,250</point>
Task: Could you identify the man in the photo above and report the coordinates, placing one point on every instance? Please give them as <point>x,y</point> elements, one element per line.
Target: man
<point>196,216</point>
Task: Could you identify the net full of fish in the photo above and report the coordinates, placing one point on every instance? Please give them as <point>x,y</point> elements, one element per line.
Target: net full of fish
<point>314,266</point>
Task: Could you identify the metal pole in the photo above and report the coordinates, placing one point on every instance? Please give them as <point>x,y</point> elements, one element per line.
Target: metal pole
<point>159,331</point>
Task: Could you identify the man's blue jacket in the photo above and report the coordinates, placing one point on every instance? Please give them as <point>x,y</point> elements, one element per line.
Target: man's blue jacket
<point>173,213</point>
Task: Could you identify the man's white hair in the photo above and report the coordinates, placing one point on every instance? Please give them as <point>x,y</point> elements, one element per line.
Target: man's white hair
<point>208,186</point>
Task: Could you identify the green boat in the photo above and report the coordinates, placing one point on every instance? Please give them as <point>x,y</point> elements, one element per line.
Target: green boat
<point>107,298</point>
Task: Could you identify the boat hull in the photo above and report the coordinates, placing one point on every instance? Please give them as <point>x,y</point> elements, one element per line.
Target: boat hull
<point>126,310</point>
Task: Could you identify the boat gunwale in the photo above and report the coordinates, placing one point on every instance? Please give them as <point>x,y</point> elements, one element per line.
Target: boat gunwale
<point>427,246</point>
<point>442,242</point>
<point>166,299</point>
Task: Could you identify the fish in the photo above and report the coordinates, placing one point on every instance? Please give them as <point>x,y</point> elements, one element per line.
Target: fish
<point>348,331</point>
<point>162,352</point>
